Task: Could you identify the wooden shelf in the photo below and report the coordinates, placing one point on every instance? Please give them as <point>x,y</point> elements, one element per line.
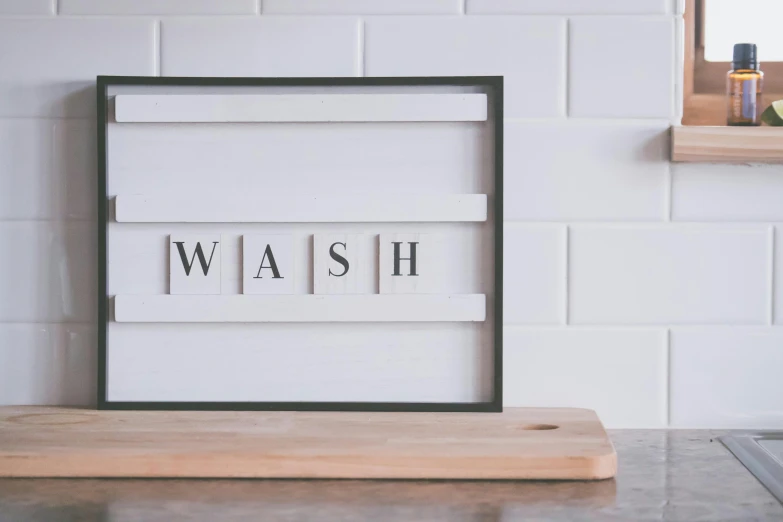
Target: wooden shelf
<point>307,308</point>
<point>727,144</point>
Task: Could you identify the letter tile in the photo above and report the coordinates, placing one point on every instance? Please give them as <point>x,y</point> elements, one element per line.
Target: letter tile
<point>194,264</point>
<point>267,264</point>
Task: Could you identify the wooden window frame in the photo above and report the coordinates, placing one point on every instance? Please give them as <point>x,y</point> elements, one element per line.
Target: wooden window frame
<point>704,83</point>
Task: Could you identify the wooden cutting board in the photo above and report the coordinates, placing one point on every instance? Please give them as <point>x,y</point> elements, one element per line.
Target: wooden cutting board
<point>520,443</point>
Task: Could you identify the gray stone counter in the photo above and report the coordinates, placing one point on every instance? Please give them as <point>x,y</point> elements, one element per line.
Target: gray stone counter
<point>663,475</point>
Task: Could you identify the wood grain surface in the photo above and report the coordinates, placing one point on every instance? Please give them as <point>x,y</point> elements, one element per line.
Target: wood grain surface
<point>727,144</point>
<point>520,443</point>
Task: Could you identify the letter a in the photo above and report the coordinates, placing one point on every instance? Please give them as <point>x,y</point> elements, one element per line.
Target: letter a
<point>276,252</point>
<point>272,264</point>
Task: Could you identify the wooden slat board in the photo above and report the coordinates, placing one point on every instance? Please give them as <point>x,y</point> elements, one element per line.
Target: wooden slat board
<point>236,108</point>
<point>299,308</point>
<point>282,208</point>
<point>517,444</point>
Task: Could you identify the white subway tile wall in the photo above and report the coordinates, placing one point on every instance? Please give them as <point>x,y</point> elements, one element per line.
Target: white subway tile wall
<point>247,46</point>
<point>48,363</point>
<point>726,378</point>
<point>572,170</point>
<point>710,192</point>
<point>47,169</point>
<point>619,373</point>
<point>364,7</point>
<point>157,7</point>
<point>26,7</point>
<point>669,275</point>
<point>535,261</point>
<point>529,52</point>
<point>621,67</point>
<point>619,296</point>
<point>48,271</point>
<point>566,7</point>
<point>49,64</point>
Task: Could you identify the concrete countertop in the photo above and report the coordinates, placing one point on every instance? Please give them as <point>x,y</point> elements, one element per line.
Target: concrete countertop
<point>663,475</point>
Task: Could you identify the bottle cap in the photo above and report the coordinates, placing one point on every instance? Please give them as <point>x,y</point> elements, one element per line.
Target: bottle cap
<point>745,56</point>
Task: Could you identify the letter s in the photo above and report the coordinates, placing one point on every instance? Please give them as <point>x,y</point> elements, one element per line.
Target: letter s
<point>340,259</point>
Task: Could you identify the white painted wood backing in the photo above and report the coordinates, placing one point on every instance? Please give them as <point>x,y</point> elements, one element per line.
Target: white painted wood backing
<point>298,308</point>
<point>374,362</point>
<point>315,361</point>
<point>277,108</point>
<point>434,158</point>
<point>299,208</point>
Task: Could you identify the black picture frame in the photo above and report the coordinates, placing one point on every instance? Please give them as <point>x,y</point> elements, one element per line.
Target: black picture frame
<point>494,87</point>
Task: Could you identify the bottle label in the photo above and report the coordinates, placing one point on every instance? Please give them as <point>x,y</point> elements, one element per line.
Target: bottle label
<point>749,99</point>
<point>743,98</point>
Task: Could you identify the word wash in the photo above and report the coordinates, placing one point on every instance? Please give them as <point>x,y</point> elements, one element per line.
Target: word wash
<point>404,263</point>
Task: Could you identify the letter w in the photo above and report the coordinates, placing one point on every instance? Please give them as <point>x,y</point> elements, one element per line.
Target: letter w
<point>188,265</point>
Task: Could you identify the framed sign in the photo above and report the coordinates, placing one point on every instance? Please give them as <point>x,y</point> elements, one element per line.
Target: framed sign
<point>300,243</point>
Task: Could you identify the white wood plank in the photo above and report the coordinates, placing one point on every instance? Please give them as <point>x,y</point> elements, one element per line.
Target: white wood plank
<point>299,308</point>
<point>275,108</point>
<point>312,159</point>
<point>281,208</point>
<point>373,362</point>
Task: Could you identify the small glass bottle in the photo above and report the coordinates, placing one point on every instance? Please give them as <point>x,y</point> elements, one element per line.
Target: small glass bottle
<point>743,86</point>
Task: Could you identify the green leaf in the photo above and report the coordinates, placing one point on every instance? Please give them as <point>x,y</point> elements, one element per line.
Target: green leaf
<point>773,115</point>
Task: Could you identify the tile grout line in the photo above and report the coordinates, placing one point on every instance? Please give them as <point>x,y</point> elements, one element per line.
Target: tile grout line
<point>567,270</point>
<point>650,223</point>
<point>676,94</point>
<point>771,269</point>
<point>668,191</point>
<point>668,379</point>
<point>620,121</point>
<point>158,47</point>
<point>638,326</point>
<point>91,324</point>
<point>360,49</point>
<point>581,14</point>
<point>675,100</point>
<point>679,71</point>
<point>566,67</point>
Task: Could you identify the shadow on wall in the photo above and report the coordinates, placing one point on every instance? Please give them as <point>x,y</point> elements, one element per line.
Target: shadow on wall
<point>655,149</point>
<point>64,244</point>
